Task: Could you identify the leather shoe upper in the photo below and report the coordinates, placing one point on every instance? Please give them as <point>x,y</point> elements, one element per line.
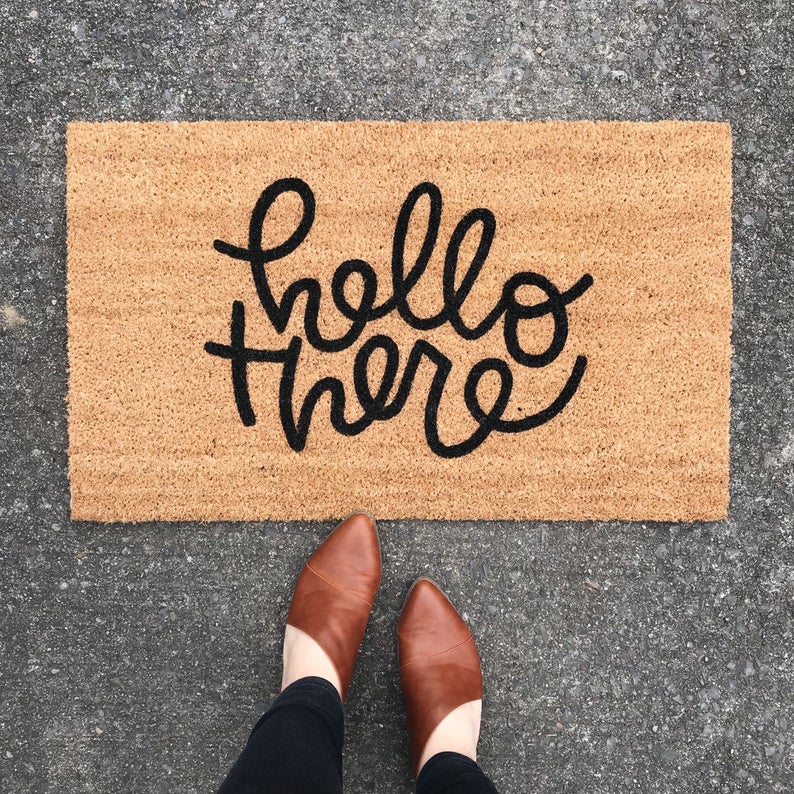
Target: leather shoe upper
<point>336,590</point>
<point>439,663</point>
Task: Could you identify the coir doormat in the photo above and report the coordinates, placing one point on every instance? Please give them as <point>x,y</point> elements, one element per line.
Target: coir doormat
<point>442,320</point>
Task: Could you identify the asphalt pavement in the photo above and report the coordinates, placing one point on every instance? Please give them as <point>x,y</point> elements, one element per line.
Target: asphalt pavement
<point>617,656</point>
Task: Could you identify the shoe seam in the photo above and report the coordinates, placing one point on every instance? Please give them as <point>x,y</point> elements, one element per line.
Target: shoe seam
<point>337,587</point>
<point>440,653</point>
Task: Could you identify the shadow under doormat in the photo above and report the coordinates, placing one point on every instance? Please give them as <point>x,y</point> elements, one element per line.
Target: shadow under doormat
<point>503,320</point>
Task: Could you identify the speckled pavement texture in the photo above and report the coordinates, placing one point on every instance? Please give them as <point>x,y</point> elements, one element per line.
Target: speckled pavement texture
<point>617,656</point>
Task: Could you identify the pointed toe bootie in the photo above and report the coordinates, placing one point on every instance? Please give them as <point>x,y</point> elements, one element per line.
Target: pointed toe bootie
<point>439,663</point>
<point>336,590</point>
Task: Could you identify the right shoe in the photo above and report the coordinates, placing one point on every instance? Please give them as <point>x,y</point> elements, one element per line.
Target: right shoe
<point>335,592</point>
<point>438,660</point>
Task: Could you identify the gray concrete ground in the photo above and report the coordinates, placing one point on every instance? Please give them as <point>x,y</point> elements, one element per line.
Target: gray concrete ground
<point>136,658</point>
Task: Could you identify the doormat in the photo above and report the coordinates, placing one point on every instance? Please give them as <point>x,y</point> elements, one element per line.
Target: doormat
<point>479,320</point>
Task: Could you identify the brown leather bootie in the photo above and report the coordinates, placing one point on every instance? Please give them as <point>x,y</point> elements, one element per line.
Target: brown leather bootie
<point>335,592</point>
<point>439,663</point>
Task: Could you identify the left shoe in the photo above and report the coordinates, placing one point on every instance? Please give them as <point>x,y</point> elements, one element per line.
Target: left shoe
<point>336,590</point>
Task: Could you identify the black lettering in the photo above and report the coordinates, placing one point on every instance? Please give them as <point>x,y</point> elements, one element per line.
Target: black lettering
<point>379,404</point>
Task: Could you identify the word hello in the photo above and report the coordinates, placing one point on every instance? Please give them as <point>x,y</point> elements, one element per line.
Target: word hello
<point>385,399</point>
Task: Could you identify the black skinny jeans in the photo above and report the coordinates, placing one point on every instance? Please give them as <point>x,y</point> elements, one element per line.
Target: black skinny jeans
<point>296,748</point>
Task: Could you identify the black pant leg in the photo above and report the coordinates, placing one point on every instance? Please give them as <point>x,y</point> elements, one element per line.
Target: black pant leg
<point>296,747</point>
<point>453,773</point>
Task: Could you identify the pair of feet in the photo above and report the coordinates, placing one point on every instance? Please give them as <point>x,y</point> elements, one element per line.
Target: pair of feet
<point>439,665</point>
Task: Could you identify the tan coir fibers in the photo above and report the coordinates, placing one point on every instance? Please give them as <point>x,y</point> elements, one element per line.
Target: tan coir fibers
<point>293,320</point>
